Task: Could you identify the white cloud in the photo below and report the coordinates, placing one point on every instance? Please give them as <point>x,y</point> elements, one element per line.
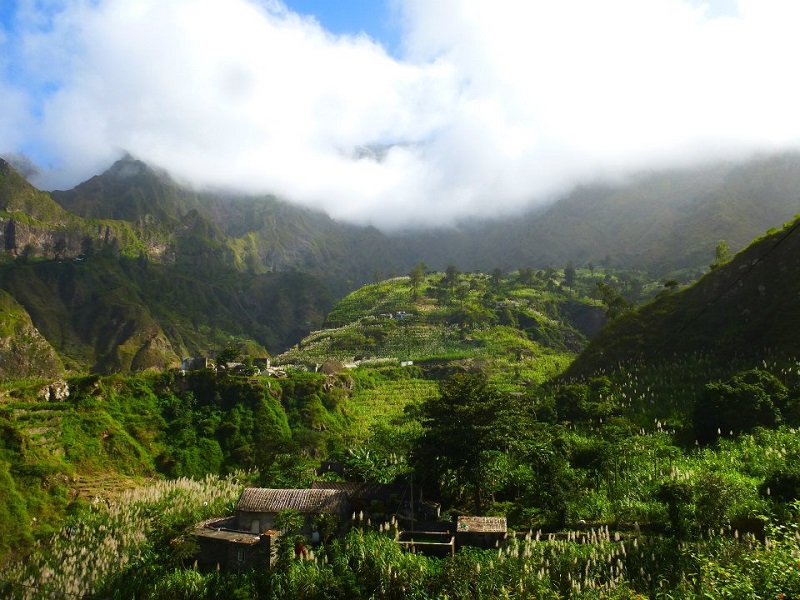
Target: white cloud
<point>494,105</point>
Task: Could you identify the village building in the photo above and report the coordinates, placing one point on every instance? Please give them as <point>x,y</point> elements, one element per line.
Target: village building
<point>247,539</point>
<point>483,532</point>
<point>258,509</point>
<point>220,545</point>
<point>262,363</point>
<point>196,363</point>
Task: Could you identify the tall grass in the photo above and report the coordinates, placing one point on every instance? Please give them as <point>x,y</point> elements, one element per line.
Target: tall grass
<point>107,537</point>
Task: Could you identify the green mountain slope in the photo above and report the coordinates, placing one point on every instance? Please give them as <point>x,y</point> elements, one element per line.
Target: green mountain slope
<point>33,225</point>
<point>206,231</point>
<point>605,454</point>
<point>197,240</point>
<point>127,191</point>
<point>518,329</point>
<point>741,309</point>
<point>19,197</point>
<point>24,352</point>
<point>109,314</point>
<point>661,221</point>
<point>111,295</point>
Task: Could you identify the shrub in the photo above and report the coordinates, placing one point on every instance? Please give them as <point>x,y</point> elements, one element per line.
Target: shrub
<point>748,400</point>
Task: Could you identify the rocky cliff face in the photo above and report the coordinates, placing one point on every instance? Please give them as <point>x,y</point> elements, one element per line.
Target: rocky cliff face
<point>33,225</point>
<point>23,238</point>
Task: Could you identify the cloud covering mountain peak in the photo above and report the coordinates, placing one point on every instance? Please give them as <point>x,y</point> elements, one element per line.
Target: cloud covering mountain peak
<point>489,107</point>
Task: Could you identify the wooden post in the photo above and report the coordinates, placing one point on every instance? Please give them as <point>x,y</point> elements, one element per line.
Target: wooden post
<point>412,502</point>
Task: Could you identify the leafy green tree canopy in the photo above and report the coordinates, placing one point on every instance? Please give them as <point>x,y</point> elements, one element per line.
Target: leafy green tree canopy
<point>416,275</point>
<point>749,399</point>
<point>722,254</point>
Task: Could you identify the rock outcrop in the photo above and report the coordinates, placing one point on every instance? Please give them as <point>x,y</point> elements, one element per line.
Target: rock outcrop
<point>24,352</point>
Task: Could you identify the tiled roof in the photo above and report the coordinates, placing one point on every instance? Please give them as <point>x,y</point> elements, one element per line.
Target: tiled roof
<point>366,491</point>
<point>481,524</point>
<point>265,500</point>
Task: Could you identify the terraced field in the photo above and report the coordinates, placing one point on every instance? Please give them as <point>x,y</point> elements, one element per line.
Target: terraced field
<point>44,432</point>
<point>385,404</point>
<point>40,425</point>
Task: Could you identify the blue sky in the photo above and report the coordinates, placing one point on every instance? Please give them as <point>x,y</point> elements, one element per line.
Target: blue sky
<point>378,19</point>
<point>445,109</point>
<point>7,10</point>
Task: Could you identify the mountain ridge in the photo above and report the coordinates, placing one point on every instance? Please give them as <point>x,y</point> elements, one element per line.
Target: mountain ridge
<point>213,254</point>
<point>662,221</point>
<point>256,234</point>
<point>745,307</point>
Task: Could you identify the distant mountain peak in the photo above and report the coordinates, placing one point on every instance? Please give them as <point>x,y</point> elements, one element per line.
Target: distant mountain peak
<point>129,167</point>
<point>128,190</point>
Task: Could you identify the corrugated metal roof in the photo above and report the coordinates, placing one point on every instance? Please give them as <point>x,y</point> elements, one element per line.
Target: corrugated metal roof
<point>481,524</point>
<point>266,500</point>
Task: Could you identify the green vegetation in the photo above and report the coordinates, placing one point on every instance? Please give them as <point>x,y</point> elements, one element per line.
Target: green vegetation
<point>140,547</point>
<point>104,540</point>
<point>112,314</point>
<point>656,478</point>
<point>521,329</point>
<point>741,311</point>
<point>691,461</point>
<point>653,458</point>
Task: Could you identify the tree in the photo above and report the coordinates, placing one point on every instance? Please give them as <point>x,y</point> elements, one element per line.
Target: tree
<point>451,277</point>
<point>722,254</point>
<point>289,520</point>
<point>749,399</point>
<point>417,276</point>
<point>613,301</point>
<point>459,433</point>
<point>366,463</point>
<point>570,275</point>
<point>462,293</point>
<point>526,275</point>
<point>782,484</point>
<point>496,277</point>
<point>230,354</point>
<point>571,401</point>
<point>271,433</point>
<point>632,287</point>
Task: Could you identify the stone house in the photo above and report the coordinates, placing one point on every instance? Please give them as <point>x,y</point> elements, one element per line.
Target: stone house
<point>221,545</point>
<point>196,363</point>
<point>258,508</point>
<point>248,539</point>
